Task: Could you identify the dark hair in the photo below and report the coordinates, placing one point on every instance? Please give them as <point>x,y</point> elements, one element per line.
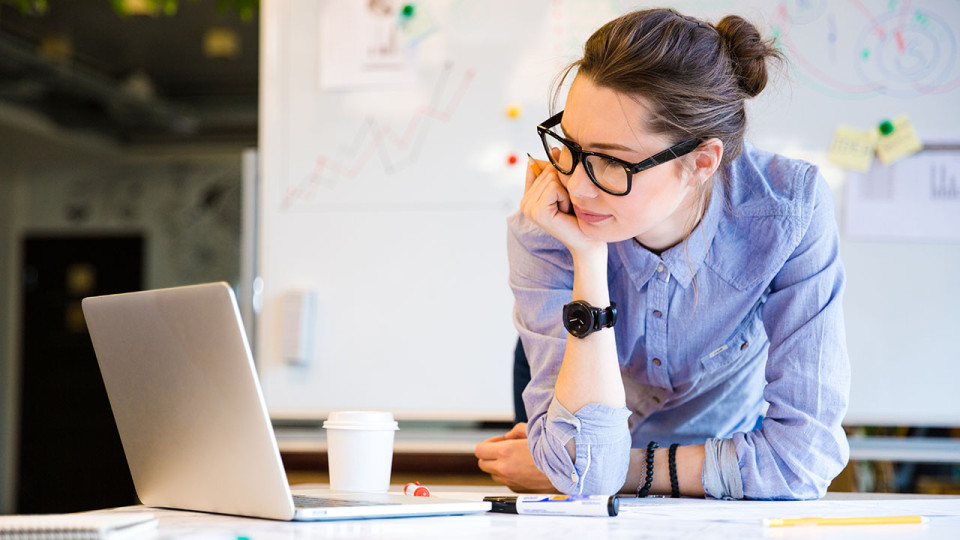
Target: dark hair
<point>695,76</point>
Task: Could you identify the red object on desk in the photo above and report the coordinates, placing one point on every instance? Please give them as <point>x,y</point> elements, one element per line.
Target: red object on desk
<point>416,489</point>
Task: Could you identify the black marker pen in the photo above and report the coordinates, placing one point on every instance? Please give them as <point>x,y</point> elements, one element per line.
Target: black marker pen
<point>557,505</point>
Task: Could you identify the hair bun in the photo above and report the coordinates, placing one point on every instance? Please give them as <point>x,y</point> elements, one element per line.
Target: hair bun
<point>748,51</point>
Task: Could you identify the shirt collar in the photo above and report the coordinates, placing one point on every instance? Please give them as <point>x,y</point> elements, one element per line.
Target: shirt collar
<point>683,260</point>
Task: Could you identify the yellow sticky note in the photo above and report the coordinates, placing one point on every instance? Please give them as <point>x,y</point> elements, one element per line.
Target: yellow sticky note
<point>899,143</point>
<point>852,148</point>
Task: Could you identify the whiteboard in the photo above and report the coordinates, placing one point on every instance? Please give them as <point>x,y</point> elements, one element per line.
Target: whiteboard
<point>386,196</point>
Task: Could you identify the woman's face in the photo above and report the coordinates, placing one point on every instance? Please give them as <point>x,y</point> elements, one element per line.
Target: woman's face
<point>658,209</point>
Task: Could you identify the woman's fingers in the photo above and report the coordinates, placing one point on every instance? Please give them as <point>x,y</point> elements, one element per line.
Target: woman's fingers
<point>563,201</point>
<point>495,439</point>
<point>547,203</point>
<point>486,450</point>
<point>509,463</point>
<point>518,431</point>
<point>532,174</point>
<point>540,201</point>
<point>535,169</point>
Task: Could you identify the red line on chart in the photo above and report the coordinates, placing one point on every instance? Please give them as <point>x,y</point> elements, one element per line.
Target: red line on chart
<point>784,13</point>
<point>380,139</point>
<point>899,31</point>
<point>873,20</point>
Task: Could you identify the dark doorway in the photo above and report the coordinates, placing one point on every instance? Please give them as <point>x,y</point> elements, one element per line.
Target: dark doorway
<point>70,457</point>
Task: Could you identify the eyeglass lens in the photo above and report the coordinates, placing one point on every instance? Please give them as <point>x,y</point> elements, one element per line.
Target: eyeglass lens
<point>609,175</point>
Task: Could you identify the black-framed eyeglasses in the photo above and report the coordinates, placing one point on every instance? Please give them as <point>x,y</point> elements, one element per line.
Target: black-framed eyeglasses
<point>610,174</point>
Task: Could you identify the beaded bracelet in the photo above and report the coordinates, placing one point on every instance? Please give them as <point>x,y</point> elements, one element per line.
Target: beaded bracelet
<point>674,484</point>
<point>643,490</point>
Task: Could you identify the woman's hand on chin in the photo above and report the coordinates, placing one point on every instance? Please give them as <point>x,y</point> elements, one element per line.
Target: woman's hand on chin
<point>547,203</point>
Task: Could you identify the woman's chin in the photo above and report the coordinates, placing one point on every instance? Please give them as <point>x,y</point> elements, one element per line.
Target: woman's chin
<point>601,234</point>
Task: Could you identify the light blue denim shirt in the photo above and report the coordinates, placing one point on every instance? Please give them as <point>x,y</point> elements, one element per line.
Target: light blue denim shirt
<point>743,320</point>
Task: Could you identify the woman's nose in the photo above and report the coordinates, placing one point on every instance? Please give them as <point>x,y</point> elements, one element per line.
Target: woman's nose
<point>579,184</point>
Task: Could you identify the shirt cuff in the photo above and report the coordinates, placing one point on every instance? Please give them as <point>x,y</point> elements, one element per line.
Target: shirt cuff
<point>602,440</point>
<point>721,470</point>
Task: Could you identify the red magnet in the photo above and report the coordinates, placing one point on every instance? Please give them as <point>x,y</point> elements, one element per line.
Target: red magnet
<point>415,489</point>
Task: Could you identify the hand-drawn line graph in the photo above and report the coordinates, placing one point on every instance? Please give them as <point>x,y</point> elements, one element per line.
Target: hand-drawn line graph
<point>375,141</point>
<point>904,50</point>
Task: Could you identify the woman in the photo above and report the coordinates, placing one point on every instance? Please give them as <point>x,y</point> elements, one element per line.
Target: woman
<point>721,261</point>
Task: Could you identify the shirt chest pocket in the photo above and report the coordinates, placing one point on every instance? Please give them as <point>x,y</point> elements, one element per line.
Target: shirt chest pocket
<point>749,338</point>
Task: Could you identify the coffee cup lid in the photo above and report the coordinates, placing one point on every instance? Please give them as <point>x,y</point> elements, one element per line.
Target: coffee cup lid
<point>375,420</point>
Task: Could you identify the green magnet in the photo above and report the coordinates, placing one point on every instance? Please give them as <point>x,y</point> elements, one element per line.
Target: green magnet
<point>407,10</point>
<point>886,127</point>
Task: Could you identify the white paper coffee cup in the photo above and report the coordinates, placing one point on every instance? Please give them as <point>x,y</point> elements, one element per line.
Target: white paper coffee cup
<point>360,450</point>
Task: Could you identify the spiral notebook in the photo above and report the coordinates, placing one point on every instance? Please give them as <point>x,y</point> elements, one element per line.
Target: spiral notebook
<point>92,525</point>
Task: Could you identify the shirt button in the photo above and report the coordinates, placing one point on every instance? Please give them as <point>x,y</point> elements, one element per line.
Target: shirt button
<point>659,268</point>
<point>657,314</point>
<point>744,346</point>
<point>573,476</point>
<point>656,361</point>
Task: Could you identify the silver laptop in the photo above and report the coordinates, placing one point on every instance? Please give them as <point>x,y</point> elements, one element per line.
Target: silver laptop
<point>191,415</point>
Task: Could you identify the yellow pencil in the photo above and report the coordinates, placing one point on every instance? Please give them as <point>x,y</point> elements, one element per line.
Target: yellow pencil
<point>534,165</point>
<point>877,520</point>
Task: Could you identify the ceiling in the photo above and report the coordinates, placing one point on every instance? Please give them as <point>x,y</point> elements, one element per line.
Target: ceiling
<point>134,79</point>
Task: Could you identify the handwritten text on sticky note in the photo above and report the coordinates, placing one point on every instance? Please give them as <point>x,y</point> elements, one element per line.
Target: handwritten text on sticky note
<point>852,148</point>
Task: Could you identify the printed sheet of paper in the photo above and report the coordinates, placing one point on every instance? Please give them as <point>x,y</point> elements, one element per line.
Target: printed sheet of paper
<point>914,199</point>
<point>361,44</point>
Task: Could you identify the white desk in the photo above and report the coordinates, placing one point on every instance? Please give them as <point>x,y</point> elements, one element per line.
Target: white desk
<point>650,518</point>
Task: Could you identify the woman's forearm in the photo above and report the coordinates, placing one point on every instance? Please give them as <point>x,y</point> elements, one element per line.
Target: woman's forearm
<point>689,471</point>
<point>590,372</point>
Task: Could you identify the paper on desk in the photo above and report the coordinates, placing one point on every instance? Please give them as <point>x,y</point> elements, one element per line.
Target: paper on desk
<point>755,511</point>
<point>77,525</point>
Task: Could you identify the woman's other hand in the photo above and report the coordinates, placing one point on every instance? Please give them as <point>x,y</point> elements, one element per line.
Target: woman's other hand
<point>508,461</point>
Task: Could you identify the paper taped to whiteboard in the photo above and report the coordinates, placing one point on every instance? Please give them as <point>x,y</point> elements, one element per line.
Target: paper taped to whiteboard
<point>915,199</point>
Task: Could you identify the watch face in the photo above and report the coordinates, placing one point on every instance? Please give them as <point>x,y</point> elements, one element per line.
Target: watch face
<point>577,319</point>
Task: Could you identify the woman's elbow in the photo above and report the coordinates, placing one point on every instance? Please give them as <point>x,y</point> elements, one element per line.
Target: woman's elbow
<point>602,467</point>
<point>803,484</point>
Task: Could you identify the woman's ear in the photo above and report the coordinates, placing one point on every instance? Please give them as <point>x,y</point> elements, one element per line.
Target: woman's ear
<point>706,159</point>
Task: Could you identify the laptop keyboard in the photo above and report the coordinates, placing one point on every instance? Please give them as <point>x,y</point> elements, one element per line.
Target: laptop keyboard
<point>304,501</point>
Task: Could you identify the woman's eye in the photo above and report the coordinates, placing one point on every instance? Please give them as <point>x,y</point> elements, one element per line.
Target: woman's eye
<point>607,163</point>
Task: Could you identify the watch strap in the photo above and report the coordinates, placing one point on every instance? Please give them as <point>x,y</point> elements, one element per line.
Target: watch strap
<point>606,317</point>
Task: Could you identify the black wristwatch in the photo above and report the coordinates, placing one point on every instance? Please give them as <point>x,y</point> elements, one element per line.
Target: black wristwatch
<point>581,319</point>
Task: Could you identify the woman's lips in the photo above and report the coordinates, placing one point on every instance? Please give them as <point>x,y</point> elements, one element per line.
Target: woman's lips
<point>589,217</point>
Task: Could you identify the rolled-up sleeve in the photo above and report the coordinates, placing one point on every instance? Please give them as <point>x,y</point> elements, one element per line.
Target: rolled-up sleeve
<point>541,277</point>
<point>801,446</point>
<point>602,448</point>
